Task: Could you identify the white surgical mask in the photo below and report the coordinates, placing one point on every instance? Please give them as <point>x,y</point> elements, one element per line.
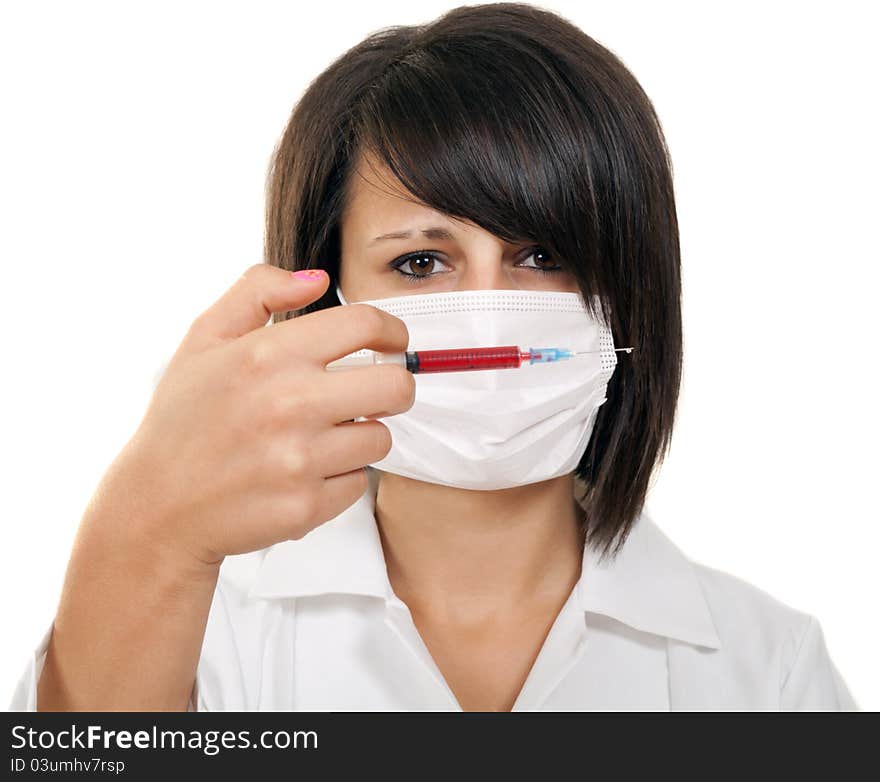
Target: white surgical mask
<point>498,428</point>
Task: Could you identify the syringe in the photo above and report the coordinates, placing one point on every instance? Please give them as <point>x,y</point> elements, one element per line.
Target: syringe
<point>461,359</point>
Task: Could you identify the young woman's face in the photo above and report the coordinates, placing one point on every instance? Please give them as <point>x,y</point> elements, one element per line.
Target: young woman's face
<point>429,251</point>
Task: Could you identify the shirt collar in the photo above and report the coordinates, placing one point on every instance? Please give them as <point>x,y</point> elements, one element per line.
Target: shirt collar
<point>650,585</point>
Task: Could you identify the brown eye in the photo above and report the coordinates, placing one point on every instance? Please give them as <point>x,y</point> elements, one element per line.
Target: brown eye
<point>543,261</point>
<point>418,266</point>
<point>421,264</point>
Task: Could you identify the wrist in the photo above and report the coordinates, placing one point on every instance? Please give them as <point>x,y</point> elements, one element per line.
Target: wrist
<point>127,515</point>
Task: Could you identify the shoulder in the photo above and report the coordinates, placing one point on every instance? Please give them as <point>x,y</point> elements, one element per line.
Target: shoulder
<point>762,635</point>
<point>744,612</point>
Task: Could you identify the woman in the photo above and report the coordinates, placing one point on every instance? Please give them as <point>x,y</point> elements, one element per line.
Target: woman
<point>494,175</point>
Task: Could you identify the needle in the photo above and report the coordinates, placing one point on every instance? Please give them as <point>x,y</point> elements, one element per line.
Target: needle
<point>579,352</point>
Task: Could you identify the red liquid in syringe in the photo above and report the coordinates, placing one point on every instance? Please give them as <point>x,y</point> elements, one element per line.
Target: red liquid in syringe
<point>462,360</point>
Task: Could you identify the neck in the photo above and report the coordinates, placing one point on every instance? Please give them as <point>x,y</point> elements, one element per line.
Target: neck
<point>466,555</point>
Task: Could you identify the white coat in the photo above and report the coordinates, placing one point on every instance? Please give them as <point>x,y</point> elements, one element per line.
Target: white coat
<point>314,625</point>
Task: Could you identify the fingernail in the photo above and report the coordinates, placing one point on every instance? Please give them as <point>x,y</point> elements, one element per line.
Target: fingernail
<point>309,274</point>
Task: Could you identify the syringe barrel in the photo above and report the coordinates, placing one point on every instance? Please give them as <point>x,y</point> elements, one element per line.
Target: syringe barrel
<point>424,361</point>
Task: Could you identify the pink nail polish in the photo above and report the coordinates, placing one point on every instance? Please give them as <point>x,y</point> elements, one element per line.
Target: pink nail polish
<point>309,274</point>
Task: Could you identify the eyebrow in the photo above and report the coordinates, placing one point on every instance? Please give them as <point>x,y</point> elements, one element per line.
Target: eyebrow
<point>437,233</point>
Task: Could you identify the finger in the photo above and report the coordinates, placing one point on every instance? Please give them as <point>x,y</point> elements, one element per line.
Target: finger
<point>349,446</point>
<point>250,302</point>
<point>383,389</point>
<point>328,334</point>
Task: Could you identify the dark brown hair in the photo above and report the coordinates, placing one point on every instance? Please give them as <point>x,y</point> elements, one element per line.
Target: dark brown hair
<point>508,115</point>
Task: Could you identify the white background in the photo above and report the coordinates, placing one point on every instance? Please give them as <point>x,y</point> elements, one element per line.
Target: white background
<point>135,140</point>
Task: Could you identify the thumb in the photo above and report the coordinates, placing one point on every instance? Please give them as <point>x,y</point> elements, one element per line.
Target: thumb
<point>250,302</point>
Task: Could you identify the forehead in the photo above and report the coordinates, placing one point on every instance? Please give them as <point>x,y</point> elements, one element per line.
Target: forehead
<point>378,201</point>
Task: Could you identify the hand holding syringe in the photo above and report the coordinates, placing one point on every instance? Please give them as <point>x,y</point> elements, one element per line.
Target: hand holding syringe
<point>462,359</point>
